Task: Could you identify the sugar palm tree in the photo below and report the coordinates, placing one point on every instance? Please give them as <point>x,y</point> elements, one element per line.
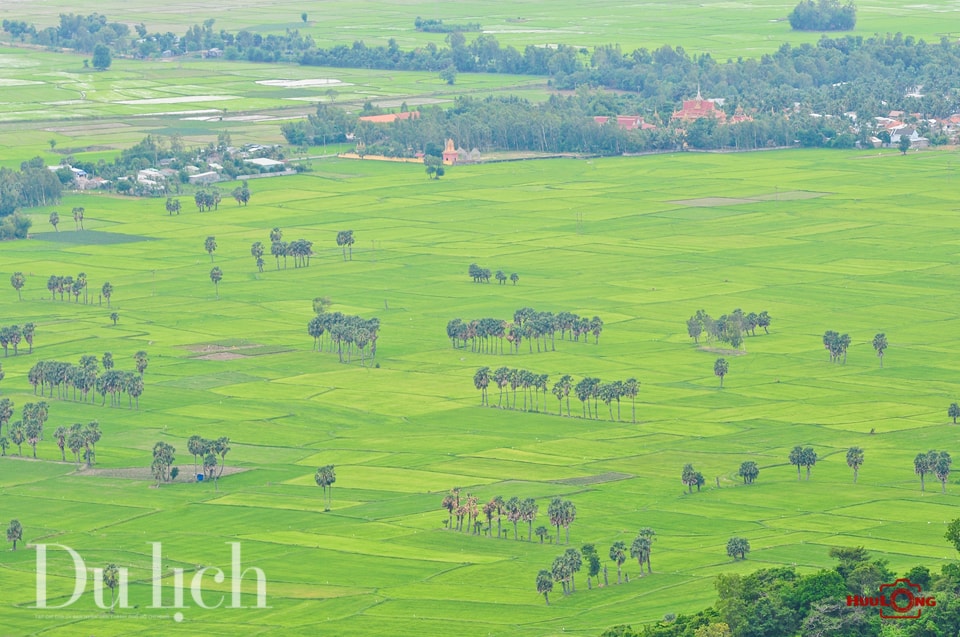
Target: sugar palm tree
<point>61,437</point>
<point>17,280</point>
<point>796,458</point>
<point>14,532</point>
<point>528,512</point>
<point>210,245</point>
<point>953,412</point>
<point>481,380</point>
<point>111,578</point>
<point>514,277</point>
<point>880,345</point>
<point>574,564</point>
<point>107,292</point>
<point>631,387</point>
<point>618,554</point>
<point>325,477</point>
<point>78,217</point>
<point>55,220</point>
<point>216,275</point>
<point>855,460</point>
<point>545,585</point>
<point>720,368</point>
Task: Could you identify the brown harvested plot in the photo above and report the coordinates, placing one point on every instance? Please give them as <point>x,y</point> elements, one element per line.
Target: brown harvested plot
<point>144,473</point>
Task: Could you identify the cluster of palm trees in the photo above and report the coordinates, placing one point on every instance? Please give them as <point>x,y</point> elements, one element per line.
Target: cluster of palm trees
<point>164,455</point>
<point>345,331</point>
<point>935,462</point>
<point>11,335</point>
<point>692,478</point>
<point>482,275</point>
<point>345,240</point>
<point>86,379</point>
<point>207,451</point>
<point>301,250</point>
<point>729,328</point>
<point>803,457</point>
<point>241,194</point>
<point>836,344</point>
<point>590,391</point>
<point>463,514</point>
<point>67,285</point>
<point>79,438</point>
<point>566,566</point>
<point>487,335</point>
<point>173,206</point>
<point>29,429</point>
<point>207,199</point>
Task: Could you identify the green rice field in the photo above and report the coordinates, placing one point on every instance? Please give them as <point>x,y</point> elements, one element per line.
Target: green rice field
<point>857,242</point>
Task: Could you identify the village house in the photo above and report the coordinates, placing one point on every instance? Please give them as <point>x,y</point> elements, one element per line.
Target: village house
<point>389,118</point>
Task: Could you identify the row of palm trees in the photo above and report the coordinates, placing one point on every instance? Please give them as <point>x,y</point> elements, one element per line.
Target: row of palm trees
<point>29,429</point>
<point>77,218</point>
<point>64,285</point>
<point>467,510</point>
<point>482,275</point>
<point>566,566</point>
<point>301,250</point>
<point>588,390</point>
<point>86,379</point>
<point>164,456</point>
<point>729,328</point>
<point>487,335</point>
<point>345,330</point>
<point>11,335</point>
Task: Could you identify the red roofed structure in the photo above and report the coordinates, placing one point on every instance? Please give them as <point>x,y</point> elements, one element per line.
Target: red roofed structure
<point>389,118</point>
<point>699,108</point>
<point>626,122</point>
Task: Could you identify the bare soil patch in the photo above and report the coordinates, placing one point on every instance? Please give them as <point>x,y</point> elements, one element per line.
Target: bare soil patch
<point>722,351</point>
<point>610,476</point>
<point>221,356</point>
<point>208,348</point>
<point>143,473</point>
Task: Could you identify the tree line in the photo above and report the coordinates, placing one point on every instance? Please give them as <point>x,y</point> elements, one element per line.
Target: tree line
<point>301,250</point>
<point>32,185</point>
<point>487,333</point>
<point>565,567</point>
<point>11,335</point>
<point>432,25</point>
<point>345,330</point>
<point>29,429</point>
<point>729,328</point>
<point>86,379</point>
<point>63,285</point>
<point>780,601</point>
<point>463,515</point>
<point>482,275</point>
<point>587,389</point>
